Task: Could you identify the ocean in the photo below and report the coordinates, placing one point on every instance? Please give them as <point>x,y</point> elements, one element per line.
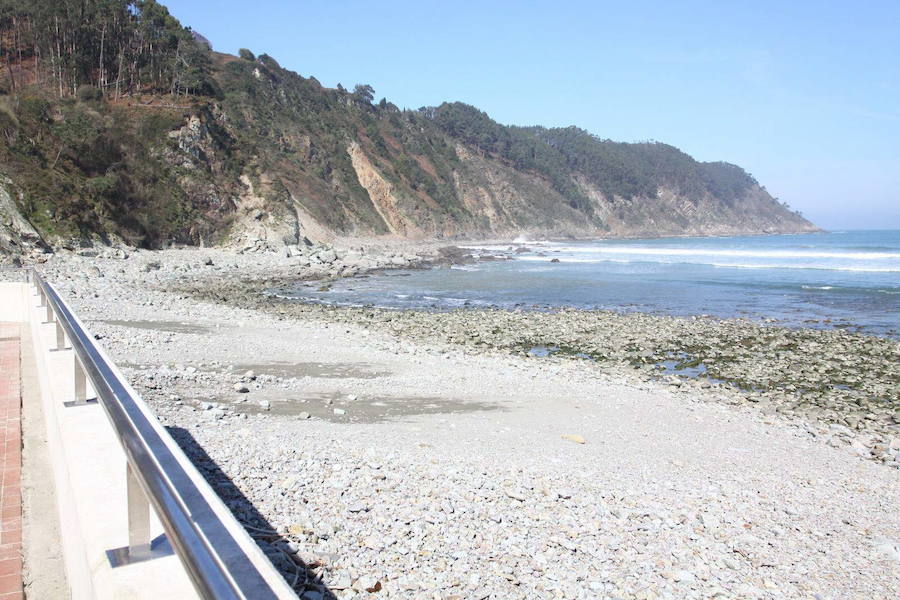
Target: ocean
<point>846,279</point>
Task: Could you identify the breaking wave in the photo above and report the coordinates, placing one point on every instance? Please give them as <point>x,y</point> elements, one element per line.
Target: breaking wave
<point>734,265</point>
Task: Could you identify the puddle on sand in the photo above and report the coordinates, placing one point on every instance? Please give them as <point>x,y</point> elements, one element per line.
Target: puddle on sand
<point>365,409</point>
<point>677,367</point>
<point>685,366</point>
<point>169,326</point>
<point>545,351</point>
<point>311,369</point>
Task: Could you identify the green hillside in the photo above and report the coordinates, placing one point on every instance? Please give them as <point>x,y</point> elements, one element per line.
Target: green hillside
<point>119,122</point>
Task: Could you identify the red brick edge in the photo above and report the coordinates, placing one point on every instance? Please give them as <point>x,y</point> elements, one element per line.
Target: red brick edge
<point>11,455</point>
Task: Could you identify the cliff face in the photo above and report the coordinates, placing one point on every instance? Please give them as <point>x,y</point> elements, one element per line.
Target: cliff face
<point>273,157</point>
<point>16,233</point>
<point>670,213</point>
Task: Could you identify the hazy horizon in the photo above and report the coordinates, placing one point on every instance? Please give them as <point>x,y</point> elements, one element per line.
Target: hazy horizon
<point>804,97</point>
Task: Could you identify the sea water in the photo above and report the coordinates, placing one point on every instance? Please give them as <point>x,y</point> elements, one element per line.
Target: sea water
<point>848,279</point>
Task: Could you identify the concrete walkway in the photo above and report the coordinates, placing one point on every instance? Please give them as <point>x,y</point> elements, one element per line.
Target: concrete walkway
<point>11,456</point>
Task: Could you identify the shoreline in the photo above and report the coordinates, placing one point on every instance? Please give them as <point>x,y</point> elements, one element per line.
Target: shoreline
<point>846,386</point>
<point>824,324</point>
<point>804,304</point>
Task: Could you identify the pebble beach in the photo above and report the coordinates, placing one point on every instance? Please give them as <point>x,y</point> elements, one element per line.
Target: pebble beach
<point>509,454</point>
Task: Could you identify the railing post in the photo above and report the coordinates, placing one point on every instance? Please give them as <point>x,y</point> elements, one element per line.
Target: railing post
<point>140,547</point>
<point>60,336</point>
<point>49,314</point>
<point>80,385</point>
<point>138,518</point>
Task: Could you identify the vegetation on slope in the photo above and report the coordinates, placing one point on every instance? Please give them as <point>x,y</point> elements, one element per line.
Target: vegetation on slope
<point>87,161</point>
<point>625,170</point>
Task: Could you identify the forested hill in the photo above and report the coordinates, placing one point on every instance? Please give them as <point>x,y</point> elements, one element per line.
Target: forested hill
<point>120,123</point>
<point>625,170</point>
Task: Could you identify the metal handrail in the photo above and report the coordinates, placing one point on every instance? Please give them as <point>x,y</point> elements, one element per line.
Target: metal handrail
<point>217,565</point>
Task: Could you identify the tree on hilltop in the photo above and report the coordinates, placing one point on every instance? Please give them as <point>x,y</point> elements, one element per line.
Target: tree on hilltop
<point>364,92</point>
<point>117,46</point>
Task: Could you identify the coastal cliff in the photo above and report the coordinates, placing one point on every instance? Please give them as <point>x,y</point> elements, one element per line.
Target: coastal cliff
<point>239,151</point>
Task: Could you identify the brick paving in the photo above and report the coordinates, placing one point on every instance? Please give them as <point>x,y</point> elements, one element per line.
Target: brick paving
<point>11,456</point>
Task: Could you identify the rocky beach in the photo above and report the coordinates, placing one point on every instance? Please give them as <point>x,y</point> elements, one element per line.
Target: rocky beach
<point>509,454</point>
<point>451,315</point>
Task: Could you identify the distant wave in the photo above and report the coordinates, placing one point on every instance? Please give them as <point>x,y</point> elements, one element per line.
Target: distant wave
<point>814,266</point>
<point>505,247</point>
<point>645,251</point>
<point>572,259</point>
<point>840,288</point>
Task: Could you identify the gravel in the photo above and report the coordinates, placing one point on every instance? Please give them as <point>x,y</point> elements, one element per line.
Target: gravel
<point>462,467</point>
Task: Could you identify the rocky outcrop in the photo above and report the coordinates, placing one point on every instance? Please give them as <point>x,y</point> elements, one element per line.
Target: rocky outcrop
<point>672,214</point>
<point>17,235</point>
<point>503,201</point>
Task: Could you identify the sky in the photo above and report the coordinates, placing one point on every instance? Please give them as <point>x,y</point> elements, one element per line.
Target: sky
<point>803,95</point>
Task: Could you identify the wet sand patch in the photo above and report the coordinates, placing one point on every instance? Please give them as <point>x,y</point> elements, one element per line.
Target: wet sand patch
<point>167,326</point>
<point>374,409</point>
<point>297,370</point>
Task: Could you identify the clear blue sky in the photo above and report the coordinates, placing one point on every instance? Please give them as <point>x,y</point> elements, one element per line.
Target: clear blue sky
<point>804,95</point>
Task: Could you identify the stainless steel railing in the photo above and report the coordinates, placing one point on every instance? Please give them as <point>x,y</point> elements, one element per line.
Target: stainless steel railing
<point>217,564</point>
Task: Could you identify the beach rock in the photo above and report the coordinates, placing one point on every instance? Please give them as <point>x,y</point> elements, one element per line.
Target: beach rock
<point>326,256</point>
<point>367,584</point>
<point>516,495</point>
